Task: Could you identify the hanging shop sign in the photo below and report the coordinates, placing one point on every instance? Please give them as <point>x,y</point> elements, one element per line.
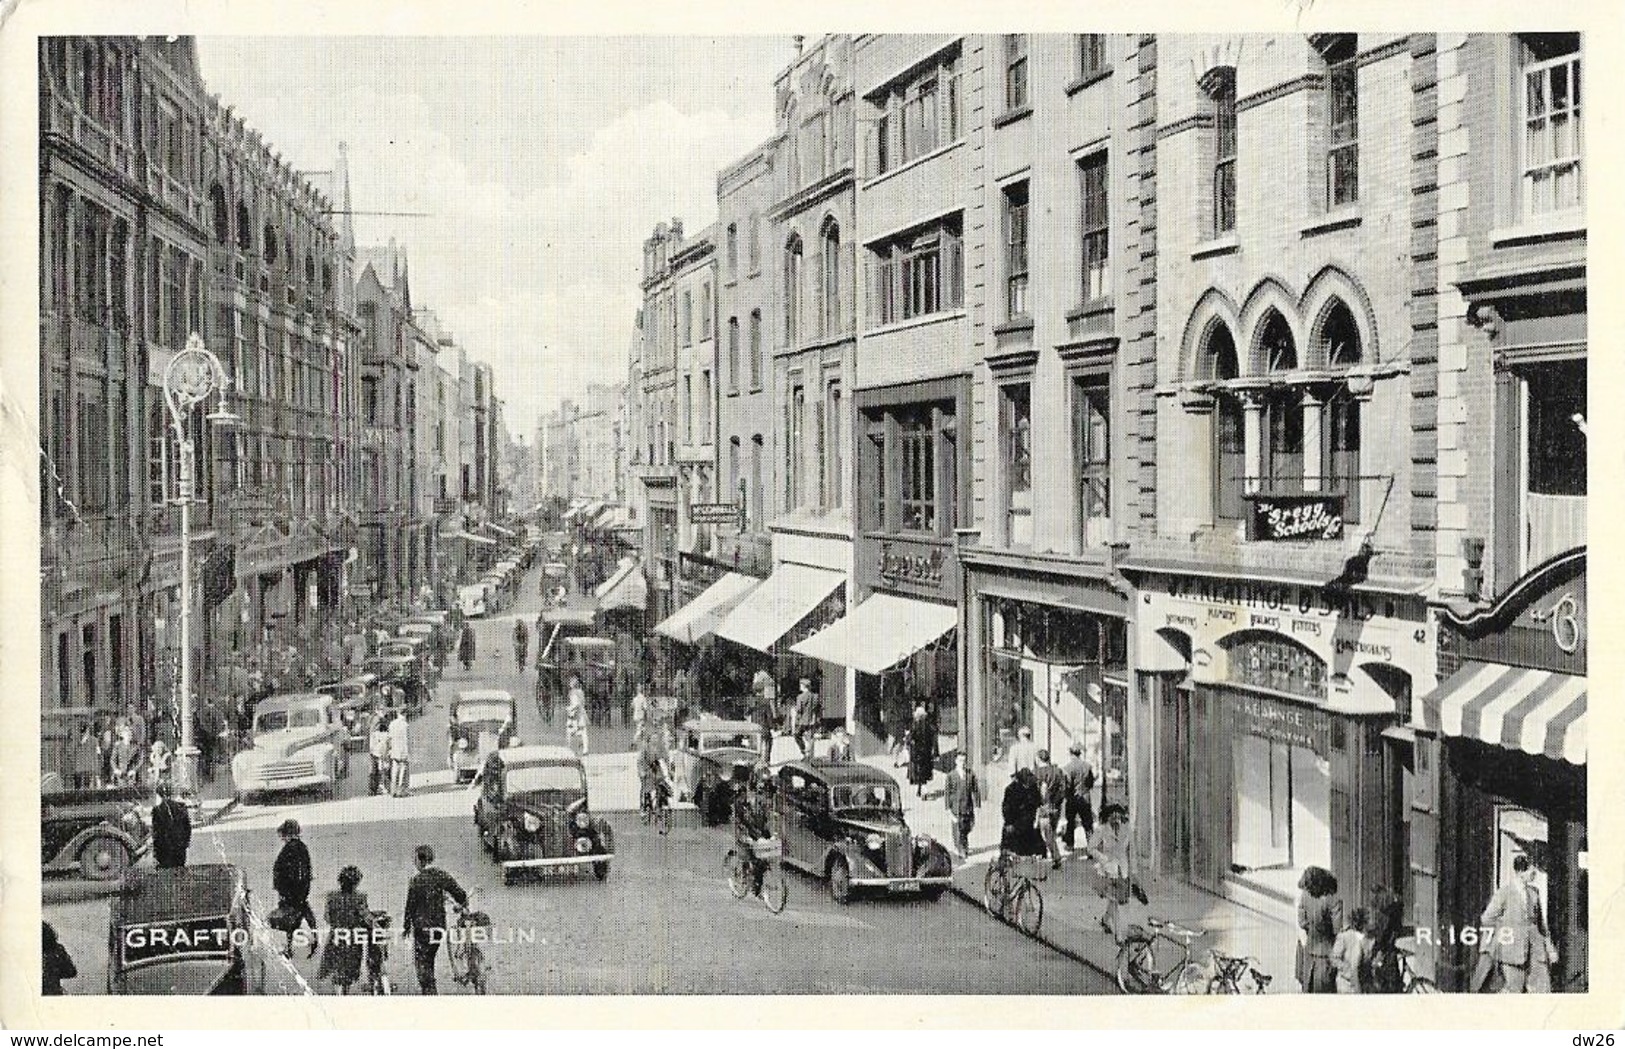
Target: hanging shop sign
<point>715,513</point>
<point>1279,518</point>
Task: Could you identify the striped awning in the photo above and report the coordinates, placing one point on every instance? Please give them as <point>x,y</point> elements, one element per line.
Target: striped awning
<point>1535,711</point>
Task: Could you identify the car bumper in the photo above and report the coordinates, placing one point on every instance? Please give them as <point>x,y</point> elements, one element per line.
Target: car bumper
<point>272,786</point>
<point>903,884</point>
<point>559,861</point>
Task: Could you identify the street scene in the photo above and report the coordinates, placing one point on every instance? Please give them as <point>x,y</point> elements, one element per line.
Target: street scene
<point>957,514</point>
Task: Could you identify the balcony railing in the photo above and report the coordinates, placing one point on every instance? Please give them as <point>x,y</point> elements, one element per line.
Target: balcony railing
<point>1552,524</point>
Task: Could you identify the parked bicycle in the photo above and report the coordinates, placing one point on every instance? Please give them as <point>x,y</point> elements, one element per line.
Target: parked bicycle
<point>1233,975</point>
<point>1409,981</point>
<point>1156,959</point>
<point>775,890</point>
<point>1010,890</point>
<point>377,980</point>
<point>468,965</point>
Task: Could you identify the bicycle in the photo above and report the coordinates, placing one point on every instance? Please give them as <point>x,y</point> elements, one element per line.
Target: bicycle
<point>1409,981</point>
<point>1010,890</point>
<point>774,890</point>
<point>377,980</point>
<point>1233,975</point>
<point>655,806</point>
<point>1140,972</point>
<point>468,965</point>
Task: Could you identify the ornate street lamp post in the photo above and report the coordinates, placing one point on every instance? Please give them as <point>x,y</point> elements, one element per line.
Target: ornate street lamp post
<point>191,376</point>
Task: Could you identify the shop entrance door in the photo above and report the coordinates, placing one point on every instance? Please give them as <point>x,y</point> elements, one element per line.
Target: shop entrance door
<point>1281,812</point>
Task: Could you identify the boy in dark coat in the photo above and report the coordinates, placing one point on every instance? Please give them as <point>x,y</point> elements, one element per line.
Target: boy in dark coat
<point>290,877</point>
<point>171,828</point>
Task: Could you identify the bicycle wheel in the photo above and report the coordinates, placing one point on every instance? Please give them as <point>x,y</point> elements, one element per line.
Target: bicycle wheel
<point>1422,985</point>
<point>476,969</point>
<point>996,889</point>
<point>1027,908</point>
<point>663,818</point>
<point>738,876</point>
<point>775,890</point>
<point>1191,979</point>
<point>1136,966</point>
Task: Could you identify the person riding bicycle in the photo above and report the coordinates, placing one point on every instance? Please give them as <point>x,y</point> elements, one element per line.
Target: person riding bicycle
<point>753,821</point>
<point>521,641</point>
<point>654,775</point>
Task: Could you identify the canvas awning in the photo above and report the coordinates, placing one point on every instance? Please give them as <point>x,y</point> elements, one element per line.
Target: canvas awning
<point>700,616</point>
<point>499,530</point>
<point>625,589</point>
<point>774,608</point>
<point>880,633</point>
<point>1536,711</point>
<point>471,537</point>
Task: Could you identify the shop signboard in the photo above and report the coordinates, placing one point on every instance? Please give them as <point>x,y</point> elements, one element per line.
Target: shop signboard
<point>1284,518</point>
<point>1294,724</point>
<point>911,567</point>
<point>715,513</point>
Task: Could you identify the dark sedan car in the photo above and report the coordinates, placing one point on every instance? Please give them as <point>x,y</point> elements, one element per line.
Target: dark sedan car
<point>99,832</point>
<point>710,754</point>
<point>356,698</point>
<point>532,812</point>
<point>844,821</point>
<point>403,673</point>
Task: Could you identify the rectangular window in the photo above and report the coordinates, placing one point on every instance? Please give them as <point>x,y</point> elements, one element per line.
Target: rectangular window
<point>795,451</point>
<point>837,443</point>
<point>877,454</point>
<point>1224,156</point>
<point>1230,467</point>
<point>705,311</point>
<point>1343,451</point>
<point>733,250</point>
<point>688,318</point>
<point>1552,132</point>
<point>1015,250</point>
<point>1555,447</point>
<point>1284,422</point>
<point>917,116</point>
<point>918,488</point>
<point>819,450</point>
<point>1091,54</point>
<point>917,275</point>
<point>1016,445</point>
<point>733,354</point>
<point>1096,234</point>
<point>705,406</point>
<point>1092,455</point>
<point>1015,71</point>
<point>1343,127</point>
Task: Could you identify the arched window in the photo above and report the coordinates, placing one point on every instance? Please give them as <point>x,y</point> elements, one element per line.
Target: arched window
<point>830,278</point>
<point>1283,408</point>
<point>755,244</point>
<point>756,349</point>
<point>245,234</point>
<point>733,354</point>
<point>755,508</point>
<point>222,219</point>
<point>270,245</point>
<point>1220,87</point>
<point>1218,363</point>
<point>733,250</point>
<point>792,289</point>
<point>1341,430</point>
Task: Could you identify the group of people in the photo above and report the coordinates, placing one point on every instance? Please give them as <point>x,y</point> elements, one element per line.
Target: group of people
<point>389,746</point>
<point>1352,953</point>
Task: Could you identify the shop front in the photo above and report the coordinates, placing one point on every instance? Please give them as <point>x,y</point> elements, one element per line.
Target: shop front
<point>1267,734</point>
<point>1502,743</point>
<point>1053,657</point>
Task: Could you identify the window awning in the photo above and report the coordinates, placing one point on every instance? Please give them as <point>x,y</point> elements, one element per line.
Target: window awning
<point>1535,711</point>
<point>774,608</point>
<point>625,589</point>
<point>880,633</point>
<point>471,537</point>
<point>499,530</point>
<point>700,616</point>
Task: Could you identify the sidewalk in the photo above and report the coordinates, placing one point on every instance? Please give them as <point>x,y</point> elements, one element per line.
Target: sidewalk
<point>1072,909</point>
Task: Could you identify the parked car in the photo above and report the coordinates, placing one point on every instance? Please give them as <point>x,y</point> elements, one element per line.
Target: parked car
<point>482,720</point>
<point>433,631</point>
<point>357,700</point>
<point>843,821</point>
<point>710,753</point>
<point>419,648</point>
<point>98,832</point>
<point>298,743</point>
<point>404,673</point>
<point>531,812</point>
<point>471,599</point>
<point>185,930</point>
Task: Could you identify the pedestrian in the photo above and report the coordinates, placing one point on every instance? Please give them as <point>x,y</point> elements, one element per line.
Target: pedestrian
<point>378,750</point>
<point>171,828</point>
<point>211,728</point>
<point>1052,792</point>
<point>465,647</point>
<point>1386,915</point>
<point>840,745</point>
<point>962,798</point>
<point>1023,752</point>
<point>922,751</point>
<point>350,929</point>
<point>640,716</point>
<point>1320,914</point>
<point>138,727</point>
<point>400,755</point>
<point>1020,811</point>
<point>575,716</point>
<point>1351,952</point>
<point>87,757</point>
<point>521,641</point>
<point>1080,781</point>
<point>1109,848</point>
<point>159,764</point>
<point>126,759</point>
<point>809,711</point>
<point>425,917</point>
<point>1515,945</point>
<point>766,692</point>
<point>106,737</point>
<point>290,877</point>
<point>56,964</point>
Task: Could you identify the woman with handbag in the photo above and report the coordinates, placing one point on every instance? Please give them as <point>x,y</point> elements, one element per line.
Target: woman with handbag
<point>1109,848</point>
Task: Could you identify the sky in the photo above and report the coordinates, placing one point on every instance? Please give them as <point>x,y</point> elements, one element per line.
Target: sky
<point>542,164</point>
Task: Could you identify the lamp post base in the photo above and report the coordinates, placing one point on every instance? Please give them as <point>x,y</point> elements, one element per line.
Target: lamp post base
<point>183,777</point>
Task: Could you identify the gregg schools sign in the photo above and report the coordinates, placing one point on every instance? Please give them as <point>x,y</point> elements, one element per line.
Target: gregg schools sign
<point>1277,518</point>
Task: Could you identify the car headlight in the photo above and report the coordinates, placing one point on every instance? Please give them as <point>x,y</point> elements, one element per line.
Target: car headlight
<point>583,845</point>
<point>874,842</point>
<point>462,744</point>
<point>532,822</point>
<point>582,820</point>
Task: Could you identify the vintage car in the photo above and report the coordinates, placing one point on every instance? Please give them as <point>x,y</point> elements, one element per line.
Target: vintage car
<point>471,600</point>
<point>97,832</point>
<point>404,673</point>
<point>531,812</point>
<point>844,821</point>
<point>710,754</point>
<point>482,720</point>
<point>419,648</point>
<point>298,743</point>
<point>185,930</point>
<point>432,625</point>
<point>357,698</point>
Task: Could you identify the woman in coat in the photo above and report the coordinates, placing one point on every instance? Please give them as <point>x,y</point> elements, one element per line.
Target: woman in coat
<point>1386,912</point>
<point>349,928</point>
<point>922,751</point>
<point>1320,917</point>
<point>465,646</point>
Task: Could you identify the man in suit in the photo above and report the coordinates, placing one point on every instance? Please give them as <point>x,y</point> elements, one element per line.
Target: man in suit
<point>962,797</point>
<point>1053,790</point>
<point>171,829</point>
<point>1516,943</point>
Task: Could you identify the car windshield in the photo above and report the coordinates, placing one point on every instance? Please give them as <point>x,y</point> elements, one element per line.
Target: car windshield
<point>484,711</point>
<point>743,740</point>
<point>546,777</point>
<point>864,796</point>
<point>276,720</point>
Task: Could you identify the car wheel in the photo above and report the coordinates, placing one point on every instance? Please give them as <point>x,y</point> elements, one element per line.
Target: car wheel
<point>840,880</point>
<point>103,859</point>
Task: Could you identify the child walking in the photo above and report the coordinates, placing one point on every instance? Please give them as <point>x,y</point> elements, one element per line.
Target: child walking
<point>1351,952</point>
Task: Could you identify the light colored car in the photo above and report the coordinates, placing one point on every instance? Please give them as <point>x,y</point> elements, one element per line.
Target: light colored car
<point>710,753</point>
<point>298,744</point>
<point>471,599</point>
<point>481,720</point>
